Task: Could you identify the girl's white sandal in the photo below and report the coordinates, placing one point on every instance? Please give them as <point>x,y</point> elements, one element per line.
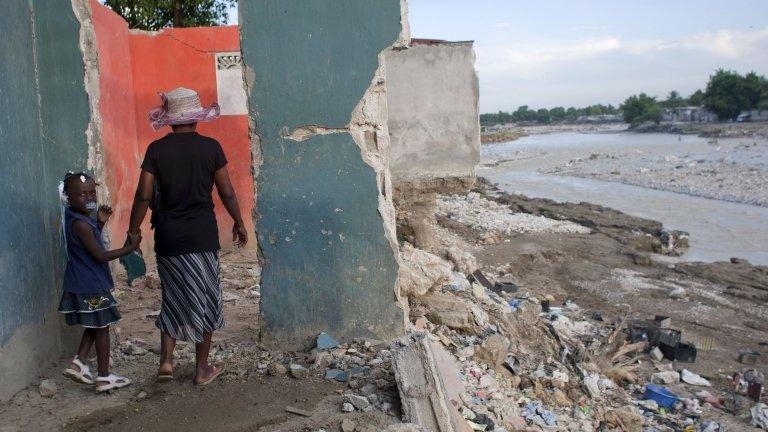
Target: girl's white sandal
<point>113,382</point>
<point>83,376</point>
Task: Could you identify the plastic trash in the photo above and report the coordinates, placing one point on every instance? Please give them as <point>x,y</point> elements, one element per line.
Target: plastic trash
<point>662,396</point>
<point>694,379</point>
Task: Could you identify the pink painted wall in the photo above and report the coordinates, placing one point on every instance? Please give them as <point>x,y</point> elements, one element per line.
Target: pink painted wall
<point>134,66</point>
<point>118,116</point>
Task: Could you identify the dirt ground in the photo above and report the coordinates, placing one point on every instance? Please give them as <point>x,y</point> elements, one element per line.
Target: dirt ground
<point>725,303</point>
<point>245,398</point>
<point>607,272</point>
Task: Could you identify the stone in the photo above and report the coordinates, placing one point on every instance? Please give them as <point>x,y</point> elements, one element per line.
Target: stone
<point>298,371</point>
<point>348,425</point>
<point>323,360</point>
<point>493,350</point>
<point>337,374</point>
<point>677,293</point>
<point>324,341</point>
<point>368,390</point>
<point>656,354</point>
<point>229,297</point>
<point>48,388</point>
<point>359,402</point>
<point>276,369</point>
<point>347,407</point>
<point>561,399</point>
<point>131,348</point>
<point>142,395</point>
<point>421,272</point>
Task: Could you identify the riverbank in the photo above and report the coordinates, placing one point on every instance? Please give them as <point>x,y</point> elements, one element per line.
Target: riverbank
<point>707,130</point>
<point>733,170</point>
<point>516,132</point>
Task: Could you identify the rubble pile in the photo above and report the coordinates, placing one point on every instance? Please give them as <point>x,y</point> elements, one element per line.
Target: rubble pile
<point>487,360</point>
<point>481,214</point>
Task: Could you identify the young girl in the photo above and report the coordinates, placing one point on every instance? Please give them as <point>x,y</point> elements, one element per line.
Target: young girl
<point>86,298</point>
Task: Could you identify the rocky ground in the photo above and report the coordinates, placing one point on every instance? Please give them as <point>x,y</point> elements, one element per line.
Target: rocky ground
<point>730,170</point>
<point>544,349</point>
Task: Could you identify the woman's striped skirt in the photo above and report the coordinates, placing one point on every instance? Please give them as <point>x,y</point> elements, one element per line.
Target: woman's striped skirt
<point>192,302</point>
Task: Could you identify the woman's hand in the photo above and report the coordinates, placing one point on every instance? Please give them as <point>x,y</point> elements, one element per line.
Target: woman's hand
<point>133,240</point>
<point>103,214</point>
<point>239,235</point>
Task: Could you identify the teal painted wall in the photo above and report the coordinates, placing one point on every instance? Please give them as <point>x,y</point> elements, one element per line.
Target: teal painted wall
<point>328,266</point>
<point>42,135</point>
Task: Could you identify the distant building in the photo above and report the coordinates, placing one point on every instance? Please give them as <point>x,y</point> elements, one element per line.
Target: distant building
<point>690,114</point>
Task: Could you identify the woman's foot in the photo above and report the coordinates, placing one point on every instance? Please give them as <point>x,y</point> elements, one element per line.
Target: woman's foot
<point>207,374</point>
<point>111,382</point>
<point>165,372</point>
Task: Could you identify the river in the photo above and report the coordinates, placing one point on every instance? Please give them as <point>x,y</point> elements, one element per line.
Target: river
<point>719,229</point>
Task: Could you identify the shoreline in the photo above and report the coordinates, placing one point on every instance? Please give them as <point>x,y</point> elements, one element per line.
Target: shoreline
<point>704,130</point>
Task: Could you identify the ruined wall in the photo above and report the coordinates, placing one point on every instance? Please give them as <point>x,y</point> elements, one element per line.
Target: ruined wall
<point>117,109</point>
<point>434,126</point>
<point>322,212</point>
<point>42,135</point>
<point>133,67</point>
<point>187,57</point>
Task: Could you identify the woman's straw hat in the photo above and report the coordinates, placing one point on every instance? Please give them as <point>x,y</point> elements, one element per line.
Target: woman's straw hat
<point>181,106</point>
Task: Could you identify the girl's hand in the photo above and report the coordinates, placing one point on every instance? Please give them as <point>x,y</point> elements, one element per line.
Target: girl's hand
<point>104,213</point>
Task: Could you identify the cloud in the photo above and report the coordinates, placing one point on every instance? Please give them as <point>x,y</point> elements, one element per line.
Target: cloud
<point>551,71</point>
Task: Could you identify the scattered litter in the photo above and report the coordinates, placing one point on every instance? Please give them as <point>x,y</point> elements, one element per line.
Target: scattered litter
<point>665,377</point>
<point>760,416</point>
<point>535,413</point>
<point>662,396</point>
<point>694,379</point>
<point>298,411</point>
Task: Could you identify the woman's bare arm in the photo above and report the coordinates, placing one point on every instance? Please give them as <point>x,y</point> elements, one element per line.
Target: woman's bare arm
<point>141,201</point>
<point>229,199</point>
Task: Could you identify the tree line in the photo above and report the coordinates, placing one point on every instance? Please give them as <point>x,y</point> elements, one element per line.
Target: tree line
<point>726,95</point>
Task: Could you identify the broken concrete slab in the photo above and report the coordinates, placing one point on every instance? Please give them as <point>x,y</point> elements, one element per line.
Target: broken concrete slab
<point>428,383</point>
<point>422,272</point>
<point>448,310</point>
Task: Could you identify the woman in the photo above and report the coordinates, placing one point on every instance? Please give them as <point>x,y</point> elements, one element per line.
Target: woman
<point>177,178</point>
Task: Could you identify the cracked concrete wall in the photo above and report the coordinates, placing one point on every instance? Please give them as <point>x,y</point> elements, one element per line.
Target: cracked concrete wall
<point>42,135</point>
<point>434,124</point>
<point>325,221</point>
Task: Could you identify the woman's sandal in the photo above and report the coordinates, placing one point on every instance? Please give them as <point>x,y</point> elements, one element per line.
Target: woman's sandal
<point>164,377</point>
<point>113,382</point>
<point>212,377</point>
<point>82,375</point>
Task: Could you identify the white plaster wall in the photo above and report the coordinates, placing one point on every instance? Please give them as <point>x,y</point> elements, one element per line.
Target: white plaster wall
<point>434,127</point>
<point>229,83</point>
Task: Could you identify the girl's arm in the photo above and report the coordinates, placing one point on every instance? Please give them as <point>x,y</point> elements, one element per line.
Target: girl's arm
<point>84,232</point>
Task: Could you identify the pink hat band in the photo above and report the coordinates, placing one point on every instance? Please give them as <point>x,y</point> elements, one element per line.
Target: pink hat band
<point>181,106</point>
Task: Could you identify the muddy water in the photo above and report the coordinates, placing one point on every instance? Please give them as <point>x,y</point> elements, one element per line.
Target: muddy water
<point>719,229</point>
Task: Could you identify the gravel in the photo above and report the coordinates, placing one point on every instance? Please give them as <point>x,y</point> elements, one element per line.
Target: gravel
<point>482,214</point>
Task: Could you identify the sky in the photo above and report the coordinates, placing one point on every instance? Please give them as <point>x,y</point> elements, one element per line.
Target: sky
<point>551,53</point>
